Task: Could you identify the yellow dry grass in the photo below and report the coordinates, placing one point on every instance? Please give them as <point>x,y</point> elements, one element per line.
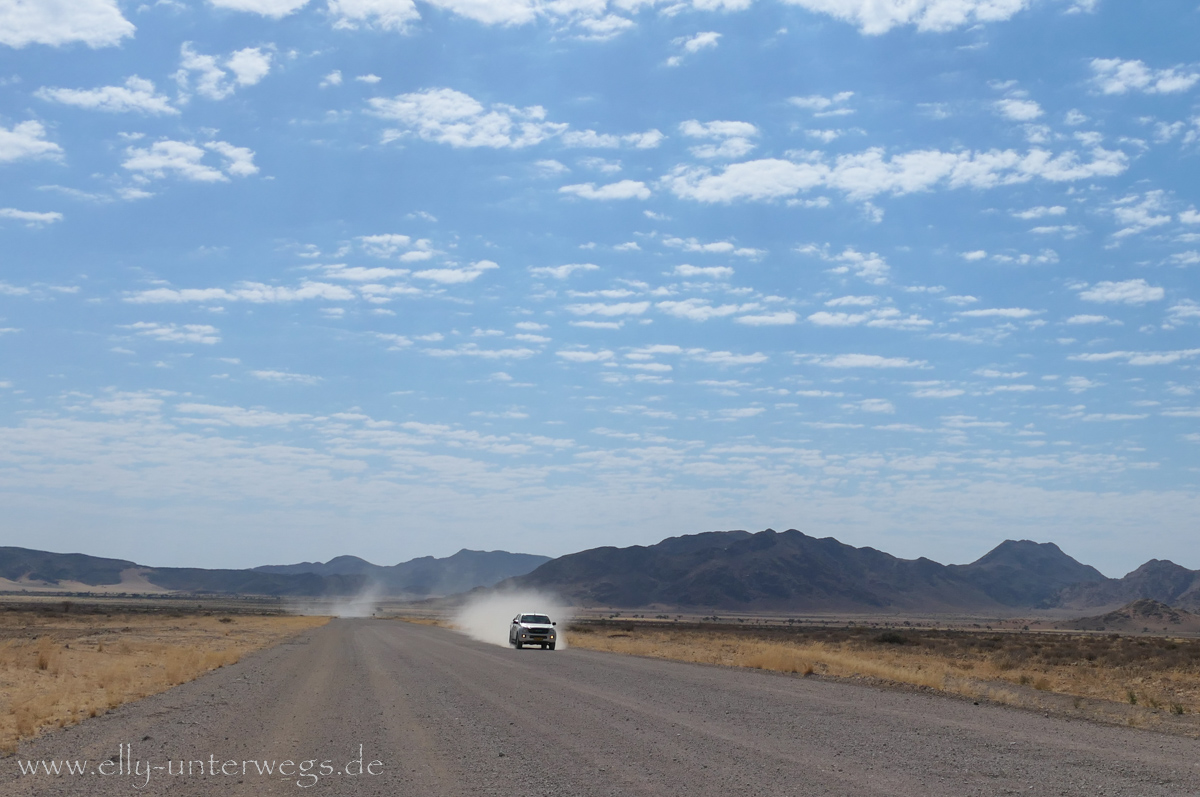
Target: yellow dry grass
<point>1005,673</point>
<point>60,669</point>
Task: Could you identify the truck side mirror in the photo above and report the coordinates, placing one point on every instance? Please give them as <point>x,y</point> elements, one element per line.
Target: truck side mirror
<point>554,624</point>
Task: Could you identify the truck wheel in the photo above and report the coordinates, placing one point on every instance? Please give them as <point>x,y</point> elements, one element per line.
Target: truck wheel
<point>552,646</point>
<point>543,647</point>
<point>519,644</point>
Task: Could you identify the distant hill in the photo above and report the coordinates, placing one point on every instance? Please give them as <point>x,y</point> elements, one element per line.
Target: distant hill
<point>23,568</point>
<point>18,564</point>
<point>1025,573</point>
<point>1141,615</point>
<point>791,571</point>
<point>425,576</point>
<point>1158,580</point>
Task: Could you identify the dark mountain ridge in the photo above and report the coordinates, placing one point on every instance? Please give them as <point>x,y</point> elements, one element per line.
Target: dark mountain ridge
<point>425,575</point>
<point>791,571</point>
<point>344,575</point>
<point>1159,580</point>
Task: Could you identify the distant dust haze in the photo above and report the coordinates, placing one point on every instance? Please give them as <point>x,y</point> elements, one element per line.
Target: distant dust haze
<point>487,617</point>
<point>363,604</point>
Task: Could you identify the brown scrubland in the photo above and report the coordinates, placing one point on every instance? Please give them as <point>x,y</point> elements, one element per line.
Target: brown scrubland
<point>1144,675</point>
<point>61,663</point>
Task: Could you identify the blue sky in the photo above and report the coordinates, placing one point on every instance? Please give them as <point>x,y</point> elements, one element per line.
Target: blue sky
<point>283,280</point>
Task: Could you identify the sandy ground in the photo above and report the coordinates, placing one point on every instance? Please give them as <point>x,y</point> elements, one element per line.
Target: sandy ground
<point>445,715</point>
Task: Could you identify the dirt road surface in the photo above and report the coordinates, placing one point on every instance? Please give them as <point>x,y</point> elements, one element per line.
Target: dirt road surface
<point>445,715</point>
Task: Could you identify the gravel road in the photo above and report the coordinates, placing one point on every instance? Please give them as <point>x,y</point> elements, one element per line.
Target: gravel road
<point>445,715</point>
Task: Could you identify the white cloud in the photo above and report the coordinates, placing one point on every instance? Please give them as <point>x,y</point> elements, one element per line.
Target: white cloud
<point>701,41</point>
<point>733,139</point>
<point>1185,311</point>
<point>578,356</point>
<point>864,361</point>
<point>550,168</point>
<point>384,245</point>
<point>938,392</point>
<point>702,310</point>
<point>395,342</point>
<point>1090,319</point>
<point>781,318</point>
<point>870,173</point>
<point>136,95</point>
<point>339,271</point>
<point>1018,110</point>
<point>248,67</point>
<point>1136,291</point>
<point>726,358</point>
<point>96,23</point>
<point>998,312</point>
<point>369,78</point>
<point>382,14</point>
<point>869,266</point>
<point>852,301</point>
<point>741,412</point>
<point>882,318</point>
<point>1078,384</point>
<point>710,272</point>
<point>1139,357</point>
<point>253,292</point>
<point>184,160</point>
<point>824,136</point>
<point>1138,214</point>
<point>824,106</point>
<point>562,272</point>
<point>875,405</point>
<point>1040,212</point>
<point>874,17</point>
<point>1114,76</point>
<point>1025,259</point>
<point>647,140</point>
<point>239,161</point>
<point>978,254</point>
<point>609,310</point>
<point>453,276</point>
<point>473,350</point>
<point>450,117</point>
<point>590,139</point>
<point>597,324</point>
<point>334,78</point>
<point>177,333</point>
<point>286,377</point>
<point>624,189</point>
<point>770,178</point>
<point>276,9</point>
<point>1190,216</point>
<point>26,140</point>
<point>713,247</point>
<point>236,416</point>
<point>31,217</point>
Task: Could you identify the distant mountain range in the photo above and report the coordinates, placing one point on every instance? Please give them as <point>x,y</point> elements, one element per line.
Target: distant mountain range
<point>22,568</point>
<point>461,572</point>
<point>791,571</point>
<point>715,571</point>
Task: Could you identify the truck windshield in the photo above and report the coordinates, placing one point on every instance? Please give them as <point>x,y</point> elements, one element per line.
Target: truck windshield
<point>540,619</point>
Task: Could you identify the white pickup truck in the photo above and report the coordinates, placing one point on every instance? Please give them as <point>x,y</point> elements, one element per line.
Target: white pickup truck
<point>532,628</point>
